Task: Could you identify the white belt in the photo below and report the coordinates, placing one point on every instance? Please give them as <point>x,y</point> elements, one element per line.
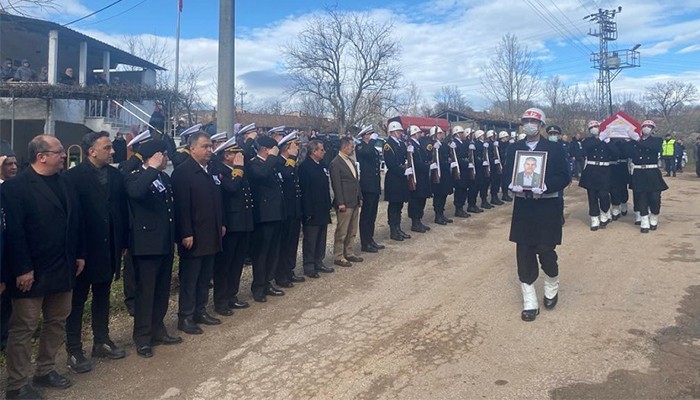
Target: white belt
<point>598,163</point>
<point>622,161</point>
<point>646,166</point>
<point>543,196</point>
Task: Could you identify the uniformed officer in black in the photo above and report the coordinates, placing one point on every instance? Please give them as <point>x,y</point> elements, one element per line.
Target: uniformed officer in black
<point>269,211</point>
<point>237,202</point>
<point>483,168</point>
<point>418,145</point>
<point>503,145</point>
<point>444,162</point>
<point>246,140</point>
<point>461,185</point>
<point>475,165</point>
<point>183,152</point>
<point>370,184</point>
<point>620,178</point>
<point>291,226</point>
<point>396,187</point>
<point>595,178</point>
<point>495,155</point>
<point>151,244</point>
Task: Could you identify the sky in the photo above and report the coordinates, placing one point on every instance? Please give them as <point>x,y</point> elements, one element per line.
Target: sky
<point>443,42</point>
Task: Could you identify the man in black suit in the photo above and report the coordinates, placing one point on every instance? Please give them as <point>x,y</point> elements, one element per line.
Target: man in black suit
<point>45,252</point>
<point>199,221</point>
<point>151,244</point>
<point>269,212</point>
<point>100,188</point>
<point>237,201</point>
<point>370,185</point>
<point>316,209</point>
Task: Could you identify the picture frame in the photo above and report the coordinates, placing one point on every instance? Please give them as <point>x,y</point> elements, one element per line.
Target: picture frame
<point>529,169</point>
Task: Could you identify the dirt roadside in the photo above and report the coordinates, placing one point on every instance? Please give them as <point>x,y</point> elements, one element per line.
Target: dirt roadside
<point>438,317</point>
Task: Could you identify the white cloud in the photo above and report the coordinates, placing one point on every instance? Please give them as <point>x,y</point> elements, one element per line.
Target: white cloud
<point>59,11</point>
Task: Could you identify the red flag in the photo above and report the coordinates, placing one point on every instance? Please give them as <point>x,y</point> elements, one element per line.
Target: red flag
<point>180,5</point>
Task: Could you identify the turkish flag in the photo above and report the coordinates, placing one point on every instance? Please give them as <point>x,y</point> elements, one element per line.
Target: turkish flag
<point>180,5</point>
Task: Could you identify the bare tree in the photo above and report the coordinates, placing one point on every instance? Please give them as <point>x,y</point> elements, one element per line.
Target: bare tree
<point>190,92</point>
<point>28,7</point>
<point>154,49</point>
<point>670,97</point>
<point>451,98</point>
<point>341,57</point>
<point>511,75</point>
<point>408,102</point>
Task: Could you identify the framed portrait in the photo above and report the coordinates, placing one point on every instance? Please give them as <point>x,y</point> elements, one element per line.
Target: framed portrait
<point>529,169</point>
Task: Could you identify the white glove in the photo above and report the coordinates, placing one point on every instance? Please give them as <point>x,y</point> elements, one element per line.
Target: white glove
<point>485,163</point>
<point>606,140</point>
<point>433,166</point>
<point>486,145</point>
<point>409,148</point>
<point>408,171</point>
<point>453,145</point>
<point>437,144</point>
<point>537,191</point>
<point>373,136</point>
<point>603,135</point>
<point>495,144</point>
<point>496,161</point>
<point>471,165</point>
<point>472,147</point>
<point>515,188</point>
<point>633,135</point>
<point>453,164</point>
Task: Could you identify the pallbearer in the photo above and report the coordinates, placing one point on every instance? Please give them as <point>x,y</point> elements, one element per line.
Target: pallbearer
<point>596,176</point>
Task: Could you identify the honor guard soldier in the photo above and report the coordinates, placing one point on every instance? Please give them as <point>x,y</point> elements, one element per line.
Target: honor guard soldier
<point>620,177</point>
<point>291,226</point>
<point>494,153</point>
<point>151,246</point>
<point>396,180</point>
<point>647,182</point>
<point>219,139</point>
<point>421,166</point>
<point>445,162</point>
<point>460,146</point>
<point>536,226</point>
<point>269,211</point>
<point>370,161</point>
<point>277,133</point>
<point>473,190</point>
<point>135,161</point>
<point>183,151</point>
<point>237,202</point>
<point>246,140</point>
<point>595,178</point>
<point>483,168</point>
<point>504,143</point>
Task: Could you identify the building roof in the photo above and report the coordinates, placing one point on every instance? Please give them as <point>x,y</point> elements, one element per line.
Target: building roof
<point>480,117</point>
<point>23,37</point>
<point>300,122</point>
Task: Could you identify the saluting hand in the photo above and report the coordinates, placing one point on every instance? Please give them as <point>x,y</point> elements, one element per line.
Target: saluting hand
<point>25,281</point>
<point>188,242</point>
<point>156,160</point>
<point>80,263</point>
<point>275,151</point>
<point>238,160</point>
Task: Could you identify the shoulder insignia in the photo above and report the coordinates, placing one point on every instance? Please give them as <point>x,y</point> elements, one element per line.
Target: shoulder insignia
<point>290,163</point>
<point>184,151</point>
<point>429,147</point>
<point>139,156</point>
<point>387,147</point>
<point>236,172</point>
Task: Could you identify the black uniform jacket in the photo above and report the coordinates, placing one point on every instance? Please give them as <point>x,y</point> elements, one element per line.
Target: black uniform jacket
<point>619,171</point>
<point>266,185</point>
<point>41,234</point>
<point>462,152</point>
<point>315,192</point>
<point>539,221</point>
<point>130,164</point>
<point>421,166</point>
<point>290,186</point>
<point>198,210</point>
<point>445,158</point>
<point>395,181</point>
<point>479,158</point>
<point>237,199</point>
<point>370,164</point>
<point>105,220</point>
<point>646,152</point>
<point>151,212</point>
<point>597,177</point>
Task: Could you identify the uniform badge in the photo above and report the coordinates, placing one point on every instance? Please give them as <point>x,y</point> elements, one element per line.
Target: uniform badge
<point>387,147</point>
<point>159,185</point>
<point>429,147</point>
<point>325,170</point>
<point>279,175</point>
<point>217,181</point>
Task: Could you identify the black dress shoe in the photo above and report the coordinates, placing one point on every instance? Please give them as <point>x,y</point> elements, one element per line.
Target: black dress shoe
<point>354,259</point>
<point>653,227</point>
<point>108,350</point>
<point>426,227</point>
<point>369,249</point>
<point>297,279</point>
<point>416,226</point>
<point>52,380</point>
<point>529,315</point>
<point>206,319</point>
<point>314,275</point>
<point>448,220</point>
<point>26,392</point>
<point>486,205</point>
<point>460,213</point>
<point>326,270</point>
<point>284,284</point>
<point>260,299</point>
<point>78,363</point>
<point>166,340</point>
<point>188,326</point>
<point>496,201</point>
<point>439,220</point>
<point>145,351</point>
<point>395,235</point>
<point>403,234</point>
<point>225,311</point>
<point>550,303</point>
<point>377,245</point>
<point>474,209</point>
<point>238,304</point>
<point>272,291</point>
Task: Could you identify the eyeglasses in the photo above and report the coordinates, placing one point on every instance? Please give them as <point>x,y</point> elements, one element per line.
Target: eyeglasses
<point>59,152</point>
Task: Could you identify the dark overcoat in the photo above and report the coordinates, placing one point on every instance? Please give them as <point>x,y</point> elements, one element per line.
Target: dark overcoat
<point>395,181</point>
<point>370,164</point>
<point>595,177</point>
<point>462,152</point>
<point>237,199</point>
<point>315,192</point>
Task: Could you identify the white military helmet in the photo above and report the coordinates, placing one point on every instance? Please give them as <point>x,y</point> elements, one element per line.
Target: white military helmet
<point>490,133</point>
<point>457,129</point>
<point>435,130</point>
<point>503,134</point>
<point>478,134</point>
<point>535,113</point>
<point>468,131</point>
<point>649,123</point>
<point>414,130</point>
<point>394,126</point>
<point>591,124</point>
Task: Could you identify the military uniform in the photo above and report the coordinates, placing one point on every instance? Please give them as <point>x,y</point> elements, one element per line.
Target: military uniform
<point>396,190</point>
<point>647,181</point>
<point>443,188</point>
<point>483,172</point>
<point>370,185</point>
<point>595,178</point>
<point>496,171</point>
<point>462,184</point>
<point>422,150</point>
<point>473,181</point>
<point>504,148</point>
<point>126,167</point>
<point>291,225</point>
<point>619,178</point>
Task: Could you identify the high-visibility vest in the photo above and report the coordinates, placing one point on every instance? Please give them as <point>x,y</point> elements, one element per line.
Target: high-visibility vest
<point>667,148</point>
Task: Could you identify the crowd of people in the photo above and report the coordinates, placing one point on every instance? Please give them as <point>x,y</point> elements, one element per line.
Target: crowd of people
<point>251,195</point>
<point>24,73</point>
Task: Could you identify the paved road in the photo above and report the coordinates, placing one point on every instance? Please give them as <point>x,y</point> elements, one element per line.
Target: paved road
<point>438,317</point>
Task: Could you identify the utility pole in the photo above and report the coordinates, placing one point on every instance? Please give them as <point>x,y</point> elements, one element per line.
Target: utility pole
<point>609,64</point>
<point>242,94</point>
<point>226,96</point>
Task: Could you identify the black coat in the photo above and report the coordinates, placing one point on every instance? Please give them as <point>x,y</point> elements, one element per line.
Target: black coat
<point>237,199</point>
<point>105,218</point>
<point>444,187</point>
<point>151,212</point>
<point>421,166</point>
<point>395,181</point>
<point>539,221</point>
<point>290,187</point>
<point>131,164</point>
<point>119,146</point>
<point>41,234</point>
<point>646,152</point>
<point>266,185</point>
<point>198,210</point>
<point>595,177</point>
<point>370,163</point>
<point>479,157</point>
<point>179,157</point>
<point>462,152</point>
<point>619,172</point>
<point>315,193</point>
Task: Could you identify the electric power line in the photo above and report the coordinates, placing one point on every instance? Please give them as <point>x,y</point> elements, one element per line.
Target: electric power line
<point>115,15</point>
<point>95,12</point>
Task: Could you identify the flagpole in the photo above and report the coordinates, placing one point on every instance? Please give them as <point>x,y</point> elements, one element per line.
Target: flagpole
<point>177,46</point>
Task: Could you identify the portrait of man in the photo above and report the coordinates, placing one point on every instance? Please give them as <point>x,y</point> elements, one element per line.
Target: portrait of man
<point>529,172</point>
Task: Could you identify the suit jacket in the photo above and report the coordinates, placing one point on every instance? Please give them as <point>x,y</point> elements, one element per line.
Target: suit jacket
<point>42,235</point>
<point>105,218</point>
<point>370,163</point>
<point>520,179</point>
<point>346,187</point>
<point>315,193</point>
<point>266,185</point>
<point>198,210</point>
<point>151,212</point>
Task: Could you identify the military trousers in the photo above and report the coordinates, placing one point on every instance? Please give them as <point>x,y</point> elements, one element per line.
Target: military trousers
<point>598,202</point>
<point>528,268</point>
<point>646,202</point>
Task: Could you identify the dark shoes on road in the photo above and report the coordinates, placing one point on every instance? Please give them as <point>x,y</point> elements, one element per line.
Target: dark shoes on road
<point>78,362</point>
<point>108,350</point>
<point>52,380</point>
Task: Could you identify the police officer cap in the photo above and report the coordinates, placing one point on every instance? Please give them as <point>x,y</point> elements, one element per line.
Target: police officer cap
<point>219,136</point>
<point>266,141</point>
<point>187,132</point>
<point>140,138</point>
<point>277,129</point>
<point>6,150</point>
<point>366,130</point>
<point>246,129</point>
<point>288,139</point>
<point>229,145</point>
<point>553,129</point>
<point>148,149</point>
